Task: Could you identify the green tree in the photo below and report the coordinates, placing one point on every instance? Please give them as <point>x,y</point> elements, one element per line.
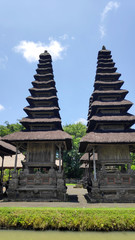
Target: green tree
<point>71,158</point>
<point>10,128</point>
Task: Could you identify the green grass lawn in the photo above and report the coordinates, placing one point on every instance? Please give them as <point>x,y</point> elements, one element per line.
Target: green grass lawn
<point>73,219</point>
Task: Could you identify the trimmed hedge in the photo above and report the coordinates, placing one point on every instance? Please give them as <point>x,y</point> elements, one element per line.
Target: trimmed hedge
<point>73,219</point>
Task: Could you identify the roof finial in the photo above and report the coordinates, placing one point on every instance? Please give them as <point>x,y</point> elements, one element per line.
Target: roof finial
<point>103,48</point>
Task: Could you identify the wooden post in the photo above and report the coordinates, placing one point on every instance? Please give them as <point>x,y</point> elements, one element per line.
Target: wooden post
<point>16,157</point>
<point>89,164</point>
<point>94,164</point>
<point>2,169</point>
<point>59,158</point>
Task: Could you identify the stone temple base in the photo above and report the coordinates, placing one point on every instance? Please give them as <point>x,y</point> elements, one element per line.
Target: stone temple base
<point>37,187</point>
<point>117,195</point>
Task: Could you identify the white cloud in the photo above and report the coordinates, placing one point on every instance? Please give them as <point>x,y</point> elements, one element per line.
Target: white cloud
<point>3,61</point>
<point>82,120</point>
<point>64,37</point>
<point>31,50</point>
<point>1,107</point>
<point>102,31</point>
<point>109,7</point>
<point>67,37</point>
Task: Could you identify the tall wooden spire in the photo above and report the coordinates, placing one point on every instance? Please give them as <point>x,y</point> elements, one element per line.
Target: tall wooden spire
<point>43,109</point>
<point>109,139</point>
<point>108,107</point>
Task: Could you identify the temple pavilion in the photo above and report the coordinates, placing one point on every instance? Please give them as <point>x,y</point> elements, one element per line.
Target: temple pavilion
<point>110,140</point>
<point>6,149</point>
<point>43,142</point>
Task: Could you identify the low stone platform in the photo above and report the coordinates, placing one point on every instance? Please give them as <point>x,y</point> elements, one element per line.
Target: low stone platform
<point>76,199</point>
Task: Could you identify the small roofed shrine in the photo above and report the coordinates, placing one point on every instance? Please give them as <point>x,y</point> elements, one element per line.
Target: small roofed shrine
<point>6,149</point>
<point>109,140</point>
<point>43,142</point>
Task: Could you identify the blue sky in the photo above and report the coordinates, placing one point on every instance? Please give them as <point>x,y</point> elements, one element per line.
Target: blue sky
<point>73,31</point>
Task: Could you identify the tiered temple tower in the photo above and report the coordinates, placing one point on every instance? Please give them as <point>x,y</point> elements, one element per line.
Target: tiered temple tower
<point>43,140</point>
<point>43,109</point>
<point>109,136</point>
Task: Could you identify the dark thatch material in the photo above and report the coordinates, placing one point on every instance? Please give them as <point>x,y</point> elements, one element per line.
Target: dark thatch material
<point>110,119</point>
<point>106,69</point>
<point>40,109</point>
<point>119,82</point>
<point>108,92</point>
<point>107,138</point>
<point>6,149</point>
<point>104,60</point>
<point>113,76</point>
<point>41,98</point>
<point>40,120</point>
<point>25,136</point>
<point>119,103</point>
<point>42,89</point>
<point>43,82</point>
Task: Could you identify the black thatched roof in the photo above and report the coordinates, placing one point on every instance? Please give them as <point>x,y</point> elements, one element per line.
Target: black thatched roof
<point>6,149</point>
<point>113,118</point>
<point>113,76</point>
<point>115,103</point>
<point>42,89</point>
<point>41,98</point>
<point>25,136</point>
<point>107,138</point>
<point>106,69</point>
<point>40,109</point>
<point>40,120</point>
<point>110,92</point>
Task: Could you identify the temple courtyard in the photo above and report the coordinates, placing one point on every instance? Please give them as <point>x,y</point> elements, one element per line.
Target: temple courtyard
<point>76,200</point>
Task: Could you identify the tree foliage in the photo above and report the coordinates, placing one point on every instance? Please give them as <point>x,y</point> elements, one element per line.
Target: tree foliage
<point>71,158</point>
<point>10,128</point>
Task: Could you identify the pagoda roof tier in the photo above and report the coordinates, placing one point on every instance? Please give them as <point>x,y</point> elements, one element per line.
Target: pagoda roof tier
<point>28,122</point>
<point>95,138</point>
<point>104,50</point>
<point>45,56</point>
<point>106,69</point>
<point>40,120</point>
<point>115,103</point>
<point>110,76</point>
<point>106,64</point>
<point>127,120</point>
<point>127,117</point>
<point>41,77</point>
<point>25,136</point>
<point>45,60</point>
<point>105,56</point>
<point>109,93</point>
<point>40,109</point>
<point>44,70</point>
<point>50,83</point>
<point>45,65</point>
<point>42,90</point>
<point>41,98</point>
<point>104,60</point>
<point>114,84</point>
